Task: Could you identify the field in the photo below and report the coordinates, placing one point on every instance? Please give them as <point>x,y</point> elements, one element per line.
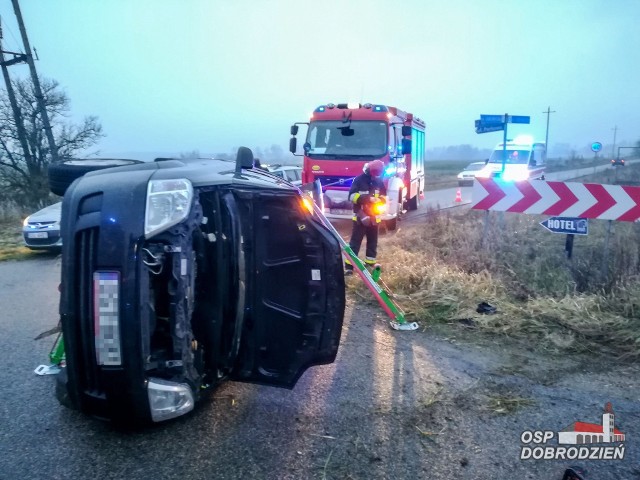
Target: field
<point>442,173</point>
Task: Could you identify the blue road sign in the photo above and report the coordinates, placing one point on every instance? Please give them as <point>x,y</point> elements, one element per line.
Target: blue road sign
<point>489,128</point>
<point>519,119</point>
<point>486,127</point>
<point>596,147</point>
<point>491,118</point>
<point>572,225</point>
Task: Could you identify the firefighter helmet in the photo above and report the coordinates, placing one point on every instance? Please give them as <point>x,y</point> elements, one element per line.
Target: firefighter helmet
<point>374,168</point>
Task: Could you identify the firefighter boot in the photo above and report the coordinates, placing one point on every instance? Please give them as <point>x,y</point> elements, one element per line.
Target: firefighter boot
<point>348,268</point>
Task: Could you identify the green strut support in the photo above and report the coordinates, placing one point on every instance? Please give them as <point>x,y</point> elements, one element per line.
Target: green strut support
<point>56,356</point>
<point>380,292</point>
<point>371,279</point>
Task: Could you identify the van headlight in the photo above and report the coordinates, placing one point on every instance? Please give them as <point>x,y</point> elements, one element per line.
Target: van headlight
<point>516,176</point>
<point>168,203</point>
<point>168,399</point>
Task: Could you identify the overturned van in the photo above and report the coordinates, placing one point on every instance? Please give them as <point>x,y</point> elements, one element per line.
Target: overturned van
<point>180,274</point>
<point>520,159</point>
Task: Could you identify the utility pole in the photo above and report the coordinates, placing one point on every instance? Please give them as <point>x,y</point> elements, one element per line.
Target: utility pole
<point>613,149</point>
<point>17,58</point>
<point>36,83</point>
<point>546,138</point>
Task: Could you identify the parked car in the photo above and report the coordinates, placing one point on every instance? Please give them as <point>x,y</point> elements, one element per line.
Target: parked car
<point>617,162</point>
<point>292,174</point>
<point>41,230</point>
<point>178,275</point>
<point>468,175</point>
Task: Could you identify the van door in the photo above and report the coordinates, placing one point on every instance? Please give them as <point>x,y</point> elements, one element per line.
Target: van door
<point>295,291</point>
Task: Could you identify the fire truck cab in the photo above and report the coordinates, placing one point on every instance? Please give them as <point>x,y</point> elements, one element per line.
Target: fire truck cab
<point>342,138</point>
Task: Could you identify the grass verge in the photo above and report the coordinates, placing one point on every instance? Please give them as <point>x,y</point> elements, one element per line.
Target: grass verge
<point>11,245</point>
<point>441,269</point>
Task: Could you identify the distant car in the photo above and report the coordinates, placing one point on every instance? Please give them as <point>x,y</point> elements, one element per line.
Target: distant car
<point>41,230</point>
<point>290,173</point>
<point>615,162</point>
<point>468,175</point>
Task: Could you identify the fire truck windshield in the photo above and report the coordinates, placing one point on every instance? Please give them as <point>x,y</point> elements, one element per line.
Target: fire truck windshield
<point>332,139</point>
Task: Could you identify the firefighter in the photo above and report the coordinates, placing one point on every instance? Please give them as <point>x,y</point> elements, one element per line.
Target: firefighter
<point>367,193</point>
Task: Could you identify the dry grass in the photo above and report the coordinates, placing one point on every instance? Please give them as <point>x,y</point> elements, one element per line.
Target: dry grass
<point>439,272</point>
<point>11,245</point>
<point>504,404</point>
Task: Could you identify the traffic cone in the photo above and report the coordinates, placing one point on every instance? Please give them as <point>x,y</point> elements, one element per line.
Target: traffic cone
<point>458,196</point>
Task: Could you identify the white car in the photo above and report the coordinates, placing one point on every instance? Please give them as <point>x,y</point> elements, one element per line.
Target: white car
<point>290,173</point>
<point>41,230</point>
<point>468,175</point>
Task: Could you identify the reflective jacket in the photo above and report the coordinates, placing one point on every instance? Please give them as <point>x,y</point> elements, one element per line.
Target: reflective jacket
<point>363,187</point>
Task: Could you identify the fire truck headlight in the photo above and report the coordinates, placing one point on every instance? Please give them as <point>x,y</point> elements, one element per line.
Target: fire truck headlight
<point>390,170</point>
<point>168,203</point>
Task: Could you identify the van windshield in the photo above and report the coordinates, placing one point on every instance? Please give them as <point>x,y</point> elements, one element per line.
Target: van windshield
<point>512,156</point>
<point>356,139</point>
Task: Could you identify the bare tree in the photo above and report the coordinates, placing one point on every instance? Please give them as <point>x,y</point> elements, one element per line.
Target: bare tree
<point>23,178</point>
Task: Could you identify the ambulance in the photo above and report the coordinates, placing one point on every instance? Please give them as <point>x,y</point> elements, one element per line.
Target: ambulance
<point>520,159</point>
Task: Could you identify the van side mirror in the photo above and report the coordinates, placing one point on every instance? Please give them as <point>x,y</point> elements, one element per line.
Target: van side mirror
<point>406,131</point>
<point>294,130</point>
<point>293,143</point>
<point>406,146</point>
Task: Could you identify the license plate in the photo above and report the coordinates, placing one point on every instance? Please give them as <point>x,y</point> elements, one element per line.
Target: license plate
<point>106,308</point>
<point>37,235</point>
<point>340,211</point>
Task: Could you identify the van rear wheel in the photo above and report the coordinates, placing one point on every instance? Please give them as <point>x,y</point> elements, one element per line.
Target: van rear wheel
<point>63,174</point>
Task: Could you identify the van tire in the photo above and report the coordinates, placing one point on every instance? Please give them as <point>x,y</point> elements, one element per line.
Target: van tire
<point>63,174</point>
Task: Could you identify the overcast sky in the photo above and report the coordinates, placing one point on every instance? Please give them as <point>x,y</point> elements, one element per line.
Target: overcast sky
<point>209,75</point>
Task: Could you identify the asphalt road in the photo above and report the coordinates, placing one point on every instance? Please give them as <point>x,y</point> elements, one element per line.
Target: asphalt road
<point>396,405</point>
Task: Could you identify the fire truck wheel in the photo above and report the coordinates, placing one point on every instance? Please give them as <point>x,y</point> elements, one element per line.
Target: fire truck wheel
<point>62,174</point>
<point>392,224</point>
<point>414,202</point>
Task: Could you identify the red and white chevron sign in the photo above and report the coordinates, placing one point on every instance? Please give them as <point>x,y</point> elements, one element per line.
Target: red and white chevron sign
<point>561,199</point>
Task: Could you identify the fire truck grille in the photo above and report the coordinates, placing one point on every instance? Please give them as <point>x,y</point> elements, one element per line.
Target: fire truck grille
<point>336,181</point>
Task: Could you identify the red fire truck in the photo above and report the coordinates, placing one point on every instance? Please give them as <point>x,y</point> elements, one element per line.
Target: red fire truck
<point>342,137</point>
